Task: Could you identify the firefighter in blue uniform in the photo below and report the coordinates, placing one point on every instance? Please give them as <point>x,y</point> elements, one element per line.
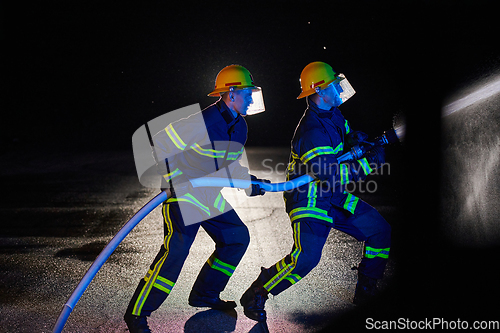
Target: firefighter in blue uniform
<point>208,143</point>
<point>314,208</point>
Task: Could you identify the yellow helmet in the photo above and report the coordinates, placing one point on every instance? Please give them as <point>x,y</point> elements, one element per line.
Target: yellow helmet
<point>316,75</point>
<point>232,76</point>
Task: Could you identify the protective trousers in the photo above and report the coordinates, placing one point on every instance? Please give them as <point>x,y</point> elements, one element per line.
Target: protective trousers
<point>231,239</point>
<point>309,238</point>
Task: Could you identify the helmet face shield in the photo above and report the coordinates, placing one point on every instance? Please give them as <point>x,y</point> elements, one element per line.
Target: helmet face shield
<point>257,104</point>
<point>347,90</point>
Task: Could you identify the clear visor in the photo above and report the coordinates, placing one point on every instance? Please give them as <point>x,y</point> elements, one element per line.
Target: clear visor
<point>257,105</point>
<point>347,90</point>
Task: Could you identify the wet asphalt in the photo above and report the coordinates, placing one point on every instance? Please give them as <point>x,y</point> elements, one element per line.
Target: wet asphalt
<point>63,208</point>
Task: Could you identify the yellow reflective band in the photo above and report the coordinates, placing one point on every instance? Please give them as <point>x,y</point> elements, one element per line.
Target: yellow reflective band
<point>286,271</point>
<point>220,266</point>
<point>310,212</point>
<point>152,275</point>
<point>365,165</point>
<point>350,203</point>
<point>312,193</point>
<point>344,174</point>
<point>172,175</point>
<point>371,252</point>
<point>347,128</point>
<point>208,152</point>
<point>293,278</point>
<point>172,134</point>
<point>320,151</point>
<point>220,203</point>
<point>191,199</point>
<point>163,284</point>
<point>235,155</point>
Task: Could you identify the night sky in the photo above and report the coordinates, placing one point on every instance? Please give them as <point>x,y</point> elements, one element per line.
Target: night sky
<point>83,76</point>
<point>89,75</point>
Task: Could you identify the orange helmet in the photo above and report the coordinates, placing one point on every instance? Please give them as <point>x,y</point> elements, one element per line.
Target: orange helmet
<point>232,76</point>
<point>316,75</point>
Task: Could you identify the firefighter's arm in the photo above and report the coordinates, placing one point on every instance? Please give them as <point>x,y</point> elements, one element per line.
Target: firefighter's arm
<point>237,171</point>
<point>320,155</point>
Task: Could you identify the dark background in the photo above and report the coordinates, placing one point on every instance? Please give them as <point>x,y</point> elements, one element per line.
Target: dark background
<point>83,76</point>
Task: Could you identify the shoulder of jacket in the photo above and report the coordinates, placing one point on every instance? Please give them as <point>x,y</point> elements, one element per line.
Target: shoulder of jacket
<point>212,115</point>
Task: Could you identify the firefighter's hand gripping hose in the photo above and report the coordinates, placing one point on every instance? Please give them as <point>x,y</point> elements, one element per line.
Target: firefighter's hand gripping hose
<point>141,214</point>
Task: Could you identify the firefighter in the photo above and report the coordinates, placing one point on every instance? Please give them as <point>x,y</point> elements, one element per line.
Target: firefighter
<point>324,203</point>
<point>208,143</point>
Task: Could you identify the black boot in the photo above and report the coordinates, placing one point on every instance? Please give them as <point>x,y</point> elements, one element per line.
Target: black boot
<point>254,300</point>
<point>200,301</point>
<point>366,289</point>
<point>136,324</point>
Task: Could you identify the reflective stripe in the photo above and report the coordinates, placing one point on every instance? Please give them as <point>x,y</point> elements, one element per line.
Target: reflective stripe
<point>220,203</point>
<point>191,199</point>
<point>172,134</point>
<point>310,212</point>
<point>173,174</point>
<point>371,252</point>
<point>293,278</point>
<point>152,275</point>
<point>286,270</point>
<point>350,203</point>
<point>291,165</point>
<point>312,193</point>
<point>208,152</point>
<point>347,128</point>
<point>320,151</point>
<point>365,165</point>
<point>220,266</point>
<point>164,284</point>
<point>344,174</point>
<point>235,155</point>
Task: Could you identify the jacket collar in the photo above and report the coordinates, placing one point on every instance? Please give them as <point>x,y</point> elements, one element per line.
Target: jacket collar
<point>320,112</point>
<point>226,113</point>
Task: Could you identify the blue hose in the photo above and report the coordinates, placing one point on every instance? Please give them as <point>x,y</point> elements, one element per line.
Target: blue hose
<point>142,213</point>
<point>103,256</point>
<point>239,183</point>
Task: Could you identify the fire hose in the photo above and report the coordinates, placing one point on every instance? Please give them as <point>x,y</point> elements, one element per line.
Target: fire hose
<point>356,152</point>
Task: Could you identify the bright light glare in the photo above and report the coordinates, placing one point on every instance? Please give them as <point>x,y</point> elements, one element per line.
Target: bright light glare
<point>484,92</point>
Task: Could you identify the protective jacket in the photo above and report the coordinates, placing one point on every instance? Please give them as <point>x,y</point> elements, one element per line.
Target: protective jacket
<point>318,141</point>
<point>205,144</point>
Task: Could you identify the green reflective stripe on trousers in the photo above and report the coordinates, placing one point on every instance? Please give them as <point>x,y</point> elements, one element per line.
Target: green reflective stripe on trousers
<point>287,270</point>
<point>220,266</point>
<point>172,134</point>
<point>350,203</point>
<point>310,212</point>
<point>163,284</point>
<point>191,199</point>
<point>365,165</point>
<point>344,174</point>
<point>293,278</point>
<point>371,252</point>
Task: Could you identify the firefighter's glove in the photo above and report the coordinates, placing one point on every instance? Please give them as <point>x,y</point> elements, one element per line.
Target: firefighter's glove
<point>355,138</point>
<point>376,156</point>
<point>255,189</point>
